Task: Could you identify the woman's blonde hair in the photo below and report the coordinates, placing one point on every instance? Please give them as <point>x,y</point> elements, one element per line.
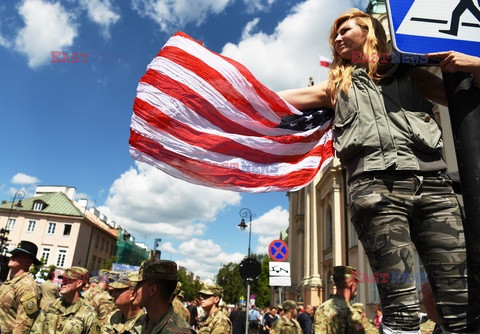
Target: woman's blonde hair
<point>340,74</point>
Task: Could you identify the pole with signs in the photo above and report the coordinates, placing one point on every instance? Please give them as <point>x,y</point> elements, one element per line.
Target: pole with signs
<point>427,26</point>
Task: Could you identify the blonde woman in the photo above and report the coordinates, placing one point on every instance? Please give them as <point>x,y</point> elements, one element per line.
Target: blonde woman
<point>386,137</point>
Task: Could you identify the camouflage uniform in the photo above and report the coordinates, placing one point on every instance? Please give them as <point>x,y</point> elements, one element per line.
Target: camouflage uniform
<point>217,323</point>
<point>286,326</point>
<point>49,293</point>
<point>337,316</point>
<point>180,309</point>
<point>368,326</point>
<point>169,323</point>
<point>19,300</point>
<point>429,327</point>
<point>116,323</point>
<point>101,301</point>
<point>77,318</point>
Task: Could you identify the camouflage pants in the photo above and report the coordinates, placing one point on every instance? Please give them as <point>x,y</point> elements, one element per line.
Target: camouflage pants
<point>390,210</point>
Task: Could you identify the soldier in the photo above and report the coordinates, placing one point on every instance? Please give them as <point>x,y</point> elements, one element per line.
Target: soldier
<point>124,319</point>
<point>19,295</point>
<point>216,322</point>
<point>367,324</point>
<point>177,303</point>
<point>70,313</point>
<point>336,315</point>
<point>287,324</point>
<point>49,291</point>
<point>99,298</point>
<point>154,287</point>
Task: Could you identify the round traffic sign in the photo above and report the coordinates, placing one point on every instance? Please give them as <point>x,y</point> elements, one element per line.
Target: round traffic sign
<point>278,250</point>
<point>250,268</point>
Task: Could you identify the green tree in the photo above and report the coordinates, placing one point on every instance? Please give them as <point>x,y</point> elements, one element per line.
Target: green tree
<point>228,277</point>
<point>260,287</point>
<point>108,263</point>
<point>234,286</point>
<point>190,285</point>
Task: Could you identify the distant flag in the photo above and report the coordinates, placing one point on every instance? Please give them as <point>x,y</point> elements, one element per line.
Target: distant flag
<point>324,61</point>
<point>204,118</point>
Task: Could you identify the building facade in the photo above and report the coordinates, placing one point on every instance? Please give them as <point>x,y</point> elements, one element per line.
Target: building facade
<point>66,233</point>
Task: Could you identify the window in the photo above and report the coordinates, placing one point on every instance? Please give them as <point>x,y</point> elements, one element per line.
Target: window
<point>62,253</point>
<point>11,224</point>
<point>38,206</point>
<point>67,228</point>
<point>31,226</point>
<point>51,228</point>
<point>45,255</point>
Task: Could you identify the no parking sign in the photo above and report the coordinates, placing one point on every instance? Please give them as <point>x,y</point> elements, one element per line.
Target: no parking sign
<point>278,250</point>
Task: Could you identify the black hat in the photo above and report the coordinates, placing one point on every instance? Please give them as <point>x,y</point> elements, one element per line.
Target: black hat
<point>27,247</point>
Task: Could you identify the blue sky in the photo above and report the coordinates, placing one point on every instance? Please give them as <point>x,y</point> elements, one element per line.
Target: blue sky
<point>68,124</point>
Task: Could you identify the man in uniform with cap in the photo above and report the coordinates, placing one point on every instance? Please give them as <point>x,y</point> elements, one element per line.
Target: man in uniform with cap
<point>368,326</point>
<point>287,324</point>
<point>126,317</point>
<point>98,297</point>
<point>70,313</point>
<point>154,287</point>
<point>19,295</point>
<point>177,303</point>
<point>336,314</point>
<point>216,322</point>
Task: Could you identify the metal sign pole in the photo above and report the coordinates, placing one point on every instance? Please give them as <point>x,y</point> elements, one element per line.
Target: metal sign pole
<point>464,109</point>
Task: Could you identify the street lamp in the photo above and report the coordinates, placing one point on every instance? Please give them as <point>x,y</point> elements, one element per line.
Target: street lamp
<point>246,213</point>
<point>249,268</point>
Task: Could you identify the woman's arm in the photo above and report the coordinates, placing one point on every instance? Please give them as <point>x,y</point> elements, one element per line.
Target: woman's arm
<point>309,97</point>
<point>453,61</point>
<point>431,86</point>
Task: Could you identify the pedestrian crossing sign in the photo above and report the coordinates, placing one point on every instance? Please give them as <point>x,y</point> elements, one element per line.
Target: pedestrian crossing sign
<point>426,26</point>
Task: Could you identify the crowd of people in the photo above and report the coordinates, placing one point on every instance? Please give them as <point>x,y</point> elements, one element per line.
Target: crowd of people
<point>151,301</point>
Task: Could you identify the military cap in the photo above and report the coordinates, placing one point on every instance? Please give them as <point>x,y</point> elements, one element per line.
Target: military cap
<point>280,307</point>
<point>156,269</point>
<point>123,280</point>
<point>75,273</point>
<point>212,290</point>
<point>178,288</point>
<point>181,295</point>
<point>94,279</point>
<point>29,248</point>
<point>343,272</point>
<point>289,305</point>
<point>359,307</point>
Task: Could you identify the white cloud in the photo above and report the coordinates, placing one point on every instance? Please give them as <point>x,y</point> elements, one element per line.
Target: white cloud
<point>21,178</point>
<point>173,14</point>
<point>102,13</point>
<point>204,257</point>
<point>145,200</point>
<point>48,27</point>
<point>290,55</point>
<point>268,227</point>
<point>258,5</point>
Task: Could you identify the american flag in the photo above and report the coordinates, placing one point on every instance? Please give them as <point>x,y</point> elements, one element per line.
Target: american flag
<point>204,118</point>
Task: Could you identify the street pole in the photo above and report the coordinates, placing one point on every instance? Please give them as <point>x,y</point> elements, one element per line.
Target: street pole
<point>246,213</point>
<point>464,109</point>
